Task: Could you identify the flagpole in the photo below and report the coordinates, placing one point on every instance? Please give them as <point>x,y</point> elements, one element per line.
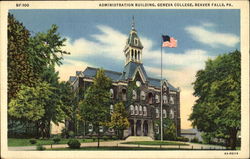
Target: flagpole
<point>161,94</point>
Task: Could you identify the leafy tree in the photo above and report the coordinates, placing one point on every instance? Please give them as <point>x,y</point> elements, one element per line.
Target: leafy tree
<point>37,104</point>
<point>45,50</point>
<point>95,106</point>
<point>119,119</point>
<point>169,129</point>
<point>20,70</point>
<point>217,109</point>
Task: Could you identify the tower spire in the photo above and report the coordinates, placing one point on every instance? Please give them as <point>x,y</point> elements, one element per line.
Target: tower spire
<point>133,22</point>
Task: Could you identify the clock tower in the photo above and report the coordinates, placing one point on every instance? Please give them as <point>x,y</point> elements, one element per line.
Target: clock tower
<point>133,48</point>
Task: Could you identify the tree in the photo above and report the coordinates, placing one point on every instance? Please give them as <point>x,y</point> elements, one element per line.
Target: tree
<point>20,71</point>
<point>169,129</point>
<point>217,87</point>
<point>37,104</point>
<point>119,119</point>
<point>95,106</point>
<point>45,50</point>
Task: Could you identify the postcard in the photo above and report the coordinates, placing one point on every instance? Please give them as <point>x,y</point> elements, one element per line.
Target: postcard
<point>124,79</point>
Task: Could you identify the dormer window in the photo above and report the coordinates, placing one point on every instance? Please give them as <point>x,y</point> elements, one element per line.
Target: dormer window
<point>136,41</point>
<point>134,95</point>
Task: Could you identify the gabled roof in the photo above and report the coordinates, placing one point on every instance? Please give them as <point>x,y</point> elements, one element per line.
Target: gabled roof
<point>91,72</point>
<point>157,83</point>
<point>129,70</point>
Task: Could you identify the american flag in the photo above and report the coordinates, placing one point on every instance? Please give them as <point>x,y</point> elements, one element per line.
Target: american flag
<point>168,41</point>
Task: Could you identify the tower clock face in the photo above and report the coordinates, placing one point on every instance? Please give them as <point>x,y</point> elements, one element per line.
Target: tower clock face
<point>138,83</point>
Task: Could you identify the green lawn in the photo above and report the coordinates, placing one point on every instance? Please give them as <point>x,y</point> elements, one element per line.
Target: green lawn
<point>113,148</point>
<point>155,143</point>
<point>25,142</point>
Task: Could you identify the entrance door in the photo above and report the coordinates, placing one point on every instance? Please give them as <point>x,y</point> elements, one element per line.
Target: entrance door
<point>131,129</point>
<point>138,128</point>
<point>145,128</point>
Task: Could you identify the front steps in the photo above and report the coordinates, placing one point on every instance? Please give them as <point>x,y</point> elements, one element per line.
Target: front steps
<point>139,138</point>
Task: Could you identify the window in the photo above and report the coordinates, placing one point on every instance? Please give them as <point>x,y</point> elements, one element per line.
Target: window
<point>124,94</point>
<point>164,88</point>
<point>136,110</point>
<point>157,115</point>
<point>150,98</point>
<point>165,99</point>
<point>111,130</point>
<point>171,114</point>
<point>140,110</point>
<point>143,97</point>
<point>90,127</point>
<point>134,95</point>
<point>164,114</point>
<point>111,109</point>
<point>157,129</point>
<point>136,42</point>
<point>132,111</point>
<point>111,93</point>
<point>157,99</point>
<point>101,129</point>
<point>144,111</point>
<point>171,100</point>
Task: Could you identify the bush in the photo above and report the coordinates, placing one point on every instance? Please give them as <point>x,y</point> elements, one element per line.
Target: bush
<point>56,140</point>
<point>74,144</point>
<point>94,138</point>
<point>105,138</point>
<point>32,141</point>
<point>195,140</point>
<point>114,137</point>
<point>40,147</point>
<point>184,139</point>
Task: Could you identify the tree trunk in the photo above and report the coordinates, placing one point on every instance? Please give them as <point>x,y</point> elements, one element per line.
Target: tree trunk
<point>233,139</point>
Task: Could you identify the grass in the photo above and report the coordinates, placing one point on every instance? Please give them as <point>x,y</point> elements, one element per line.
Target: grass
<point>25,142</point>
<point>155,143</point>
<point>113,148</point>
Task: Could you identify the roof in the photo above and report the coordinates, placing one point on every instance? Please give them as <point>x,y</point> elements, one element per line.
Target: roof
<point>72,79</point>
<point>131,39</point>
<point>91,72</point>
<point>127,74</point>
<point>130,69</point>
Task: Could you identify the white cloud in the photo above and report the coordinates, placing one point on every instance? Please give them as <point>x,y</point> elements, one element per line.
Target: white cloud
<point>212,38</point>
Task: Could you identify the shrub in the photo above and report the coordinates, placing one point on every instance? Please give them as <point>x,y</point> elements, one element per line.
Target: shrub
<point>56,140</point>
<point>94,138</point>
<point>40,147</point>
<point>114,137</point>
<point>64,133</point>
<point>195,140</point>
<point>184,139</point>
<point>105,138</point>
<point>32,141</point>
<point>74,144</point>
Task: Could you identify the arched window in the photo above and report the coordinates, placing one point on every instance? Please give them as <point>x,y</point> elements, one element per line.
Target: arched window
<point>100,128</point>
<point>90,127</point>
<point>132,54</point>
<point>164,87</point>
<point>171,114</point>
<point>132,110</point>
<point>111,93</point>
<point>111,109</point>
<point>135,55</point>
<point>164,113</point>
<point>140,110</point>
<point>143,96</point>
<point>165,99</point>
<point>171,100</point>
<point>144,111</point>
<point>157,130</point>
<point>150,98</point>
<point>134,95</point>
<point>124,94</point>
<point>157,115</point>
<point>139,55</point>
<point>157,98</point>
<point>136,110</point>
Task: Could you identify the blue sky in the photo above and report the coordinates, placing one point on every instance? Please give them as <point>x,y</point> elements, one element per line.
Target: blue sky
<point>97,37</point>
